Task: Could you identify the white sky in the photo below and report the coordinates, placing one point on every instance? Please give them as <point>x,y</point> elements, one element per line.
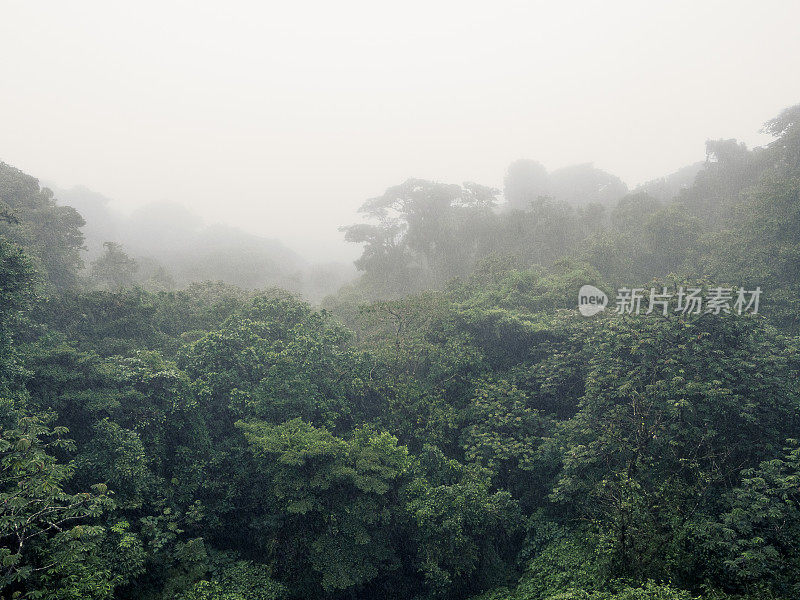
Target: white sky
<point>282,117</point>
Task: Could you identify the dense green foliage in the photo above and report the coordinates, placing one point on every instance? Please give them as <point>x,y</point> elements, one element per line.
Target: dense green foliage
<point>477,438</point>
<point>736,224</point>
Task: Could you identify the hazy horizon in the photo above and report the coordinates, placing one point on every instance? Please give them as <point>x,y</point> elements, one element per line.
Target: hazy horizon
<point>283,121</point>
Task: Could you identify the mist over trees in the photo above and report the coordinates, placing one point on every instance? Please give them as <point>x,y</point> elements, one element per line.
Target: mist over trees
<point>446,426</point>
<point>690,224</point>
<point>527,181</point>
<point>173,248</point>
<point>48,232</point>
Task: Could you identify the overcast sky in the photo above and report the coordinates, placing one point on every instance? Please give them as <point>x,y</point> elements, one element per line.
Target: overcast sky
<point>282,117</point>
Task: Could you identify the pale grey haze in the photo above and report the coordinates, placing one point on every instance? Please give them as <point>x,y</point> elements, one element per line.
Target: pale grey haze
<point>281,118</point>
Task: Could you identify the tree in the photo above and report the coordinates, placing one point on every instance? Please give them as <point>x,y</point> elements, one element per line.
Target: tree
<point>47,533</point>
<point>525,182</point>
<point>423,234</point>
<point>16,275</point>
<point>464,533</point>
<point>657,437</point>
<point>503,433</point>
<point>114,270</point>
<point>335,498</point>
<point>49,233</point>
<point>753,544</point>
<point>586,184</point>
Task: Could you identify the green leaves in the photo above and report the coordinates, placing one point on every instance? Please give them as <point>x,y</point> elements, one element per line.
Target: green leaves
<point>281,361</point>
<point>49,233</point>
<point>463,533</point>
<point>755,539</point>
<point>255,448</point>
<point>504,434</point>
<point>661,433</point>
<point>46,540</point>
<point>337,496</point>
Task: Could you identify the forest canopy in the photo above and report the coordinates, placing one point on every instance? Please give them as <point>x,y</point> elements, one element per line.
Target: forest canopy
<point>444,426</point>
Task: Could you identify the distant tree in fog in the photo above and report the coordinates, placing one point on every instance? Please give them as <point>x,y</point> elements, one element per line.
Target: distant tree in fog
<point>585,184</point>
<point>525,181</point>
<point>114,270</point>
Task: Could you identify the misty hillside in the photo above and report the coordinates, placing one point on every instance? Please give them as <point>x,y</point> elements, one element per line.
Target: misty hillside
<point>449,426</point>
<point>161,229</point>
<point>400,301</point>
<point>710,221</point>
<point>170,247</point>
